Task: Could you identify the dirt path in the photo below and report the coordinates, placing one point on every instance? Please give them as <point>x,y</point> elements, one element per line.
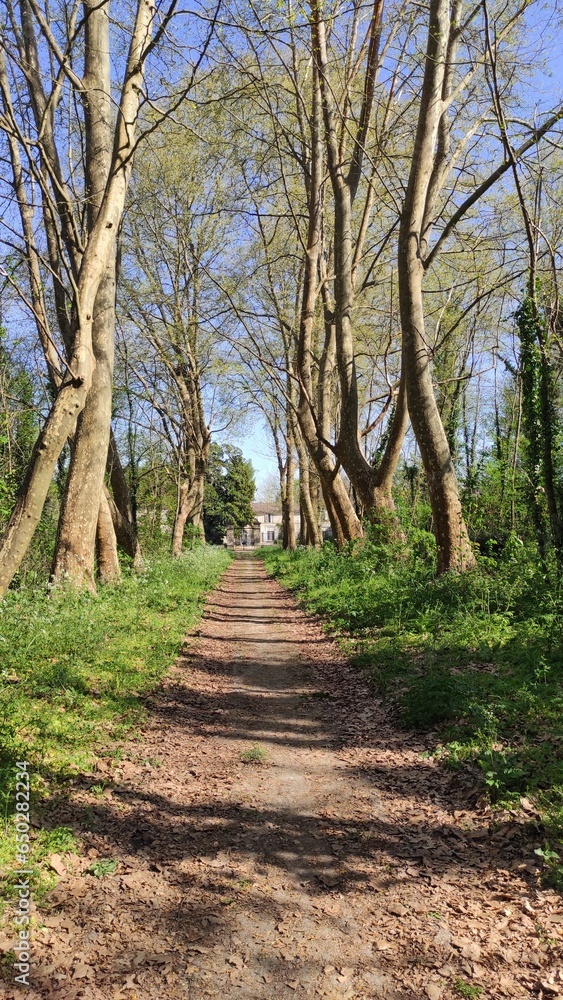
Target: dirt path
<point>343,865</point>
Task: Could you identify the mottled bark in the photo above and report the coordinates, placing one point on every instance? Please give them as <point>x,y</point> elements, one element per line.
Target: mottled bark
<point>109,570</point>
<point>191,493</point>
<point>29,504</point>
<point>121,507</point>
<point>93,266</point>
<point>74,560</point>
<point>372,485</point>
<point>345,523</point>
<point>454,547</point>
<point>310,533</point>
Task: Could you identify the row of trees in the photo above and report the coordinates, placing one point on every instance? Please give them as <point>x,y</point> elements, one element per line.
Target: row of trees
<point>334,214</point>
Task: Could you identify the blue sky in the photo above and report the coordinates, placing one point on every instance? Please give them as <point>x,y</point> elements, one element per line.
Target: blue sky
<point>257,446</point>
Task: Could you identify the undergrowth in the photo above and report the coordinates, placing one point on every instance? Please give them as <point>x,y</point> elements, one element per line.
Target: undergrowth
<point>475,659</point>
<point>75,671</point>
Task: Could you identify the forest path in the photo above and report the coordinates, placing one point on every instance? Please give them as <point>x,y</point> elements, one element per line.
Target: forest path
<point>345,864</point>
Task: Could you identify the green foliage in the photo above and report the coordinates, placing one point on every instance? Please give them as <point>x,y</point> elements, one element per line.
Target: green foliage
<point>103,867</point>
<point>18,426</point>
<point>229,492</point>
<point>466,990</point>
<point>553,869</point>
<point>254,755</point>
<point>76,671</point>
<point>475,658</point>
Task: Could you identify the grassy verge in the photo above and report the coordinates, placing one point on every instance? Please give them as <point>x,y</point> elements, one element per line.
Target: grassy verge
<point>75,671</point>
<point>474,659</point>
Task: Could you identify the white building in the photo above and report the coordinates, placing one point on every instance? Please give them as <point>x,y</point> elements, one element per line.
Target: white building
<point>269,521</point>
<point>267,527</point>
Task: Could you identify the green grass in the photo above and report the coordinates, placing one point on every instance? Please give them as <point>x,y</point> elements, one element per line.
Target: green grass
<point>254,755</point>
<point>76,670</point>
<point>475,659</point>
<point>466,990</point>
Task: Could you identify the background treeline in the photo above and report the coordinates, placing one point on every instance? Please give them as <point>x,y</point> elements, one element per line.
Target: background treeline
<point>340,221</point>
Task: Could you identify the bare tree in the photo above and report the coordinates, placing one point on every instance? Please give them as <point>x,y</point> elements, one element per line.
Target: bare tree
<point>80,229</point>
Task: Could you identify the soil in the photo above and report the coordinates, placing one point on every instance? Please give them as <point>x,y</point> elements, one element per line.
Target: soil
<point>277,836</point>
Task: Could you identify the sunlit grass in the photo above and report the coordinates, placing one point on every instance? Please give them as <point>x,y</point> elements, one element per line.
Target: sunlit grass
<point>475,659</point>
<point>75,672</point>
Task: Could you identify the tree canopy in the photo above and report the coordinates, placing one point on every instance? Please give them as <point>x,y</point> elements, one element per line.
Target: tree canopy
<point>229,492</point>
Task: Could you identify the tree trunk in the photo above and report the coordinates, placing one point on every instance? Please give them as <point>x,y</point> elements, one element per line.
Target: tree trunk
<point>288,502</point>
<point>97,257</point>
<point>109,570</point>
<point>340,509</point>
<point>287,486</point>
<point>345,523</point>
<point>454,547</point>
<point>371,487</point>
<point>122,509</point>
<point>190,506</point>
<point>196,514</point>
<point>310,533</point>
<point>29,505</point>
<point>339,533</point>
<point>182,512</point>
<point>74,560</point>
<point>385,513</point>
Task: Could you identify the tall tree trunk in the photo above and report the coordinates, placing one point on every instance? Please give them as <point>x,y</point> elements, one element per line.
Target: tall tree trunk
<point>339,536</point>
<point>74,560</point>
<point>454,547</point>
<point>288,501</point>
<point>344,521</point>
<point>371,485</point>
<point>29,505</point>
<point>98,255</point>
<point>390,459</point>
<point>196,515</point>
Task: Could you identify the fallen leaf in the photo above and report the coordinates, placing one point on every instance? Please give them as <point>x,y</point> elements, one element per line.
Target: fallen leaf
<point>469,949</point>
<point>550,988</point>
<point>433,991</point>
<point>442,938</point>
<point>56,863</point>
<point>81,971</point>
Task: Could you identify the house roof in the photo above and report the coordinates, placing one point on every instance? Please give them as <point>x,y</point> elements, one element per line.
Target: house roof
<point>266,508</point>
